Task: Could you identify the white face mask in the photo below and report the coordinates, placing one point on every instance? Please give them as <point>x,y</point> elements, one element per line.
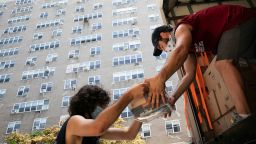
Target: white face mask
<point>171,43</point>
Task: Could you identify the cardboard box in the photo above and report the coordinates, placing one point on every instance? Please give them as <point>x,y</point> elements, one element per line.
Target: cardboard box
<point>224,99</point>
<point>229,118</point>
<point>214,82</point>
<point>212,76</point>
<point>220,126</point>
<point>213,106</point>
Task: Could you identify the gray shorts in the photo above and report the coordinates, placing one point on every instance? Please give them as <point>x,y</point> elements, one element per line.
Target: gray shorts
<point>238,42</point>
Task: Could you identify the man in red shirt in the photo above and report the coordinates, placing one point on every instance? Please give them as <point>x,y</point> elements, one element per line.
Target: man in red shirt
<point>228,31</point>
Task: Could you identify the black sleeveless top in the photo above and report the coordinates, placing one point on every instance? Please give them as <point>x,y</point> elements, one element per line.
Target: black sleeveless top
<point>62,134</point>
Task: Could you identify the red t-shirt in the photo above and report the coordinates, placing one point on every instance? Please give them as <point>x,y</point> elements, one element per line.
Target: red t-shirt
<point>209,24</point>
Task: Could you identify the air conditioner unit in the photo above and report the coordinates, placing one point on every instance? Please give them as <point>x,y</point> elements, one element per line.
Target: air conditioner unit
<point>136,63</point>
<point>91,83</point>
<point>14,111</point>
<point>86,69</point>
<point>32,63</point>
<point>36,128</point>
<point>16,130</point>
<point>43,91</point>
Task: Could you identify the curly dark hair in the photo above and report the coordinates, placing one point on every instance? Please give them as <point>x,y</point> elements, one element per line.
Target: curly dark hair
<point>86,99</point>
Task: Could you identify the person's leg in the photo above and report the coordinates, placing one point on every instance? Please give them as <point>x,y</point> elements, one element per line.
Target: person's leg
<point>234,83</point>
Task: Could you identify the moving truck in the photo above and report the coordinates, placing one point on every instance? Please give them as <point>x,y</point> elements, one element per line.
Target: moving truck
<point>208,104</point>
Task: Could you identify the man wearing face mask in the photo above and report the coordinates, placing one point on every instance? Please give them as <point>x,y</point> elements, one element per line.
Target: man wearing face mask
<point>227,31</point>
<point>90,118</point>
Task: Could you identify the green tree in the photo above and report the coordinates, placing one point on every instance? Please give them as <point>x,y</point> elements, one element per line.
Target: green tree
<point>120,124</point>
<point>48,136</point>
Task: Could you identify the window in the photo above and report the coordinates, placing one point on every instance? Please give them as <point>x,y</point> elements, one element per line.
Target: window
<point>86,17</point>
<point>96,26</point>
<point>56,32</point>
<point>79,9</point>
<point>77,29</point>
<point>49,23</point>
<point>9,52</point>
<point>95,51</point>
<point>73,54</point>
<point>134,45</point>
<point>94,80</point>
<point>65,101</point>
<point>134,32</point>
<point>169,86</point>
<point>54,4</point>
<point>30,106</point>
<point>31,61</point>
<point>39,123</point>
<point>116,93</point>
<point>172,126</point>
<point>123,11</point>
<point>13,127</point>
<point>128,75</point>
<point>70,84</point>
<point>122,2</point>
<point>7,64</point>
<point>4,78</point>
<point>84,66</point>
<point>145,131</point>
<point>38,73</point>
<point>151,7</point>
<point>2,93</point>
<point>97,6</point>
<point>44,46</point>
<point>10,40</point>
<point>18,19</point>
<point>126,113</point>
<point>15,29</point>
<point>43,15</point>
<point>38,36</point>
<point>63,118</point>
<point>23,91</point>
<point>60,12</point>
<point>153,17</point>
<point>128,59</point>
<point>85,39</point>
<point>20,10</point>
<point>21,2</point>
<point>46,87</point>
<point>2,5</point>
<point>51,58</point>
<point>126,21</point>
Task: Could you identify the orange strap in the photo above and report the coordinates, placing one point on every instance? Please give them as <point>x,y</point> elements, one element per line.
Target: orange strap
<point>186,109</point>
<point>203,97</point>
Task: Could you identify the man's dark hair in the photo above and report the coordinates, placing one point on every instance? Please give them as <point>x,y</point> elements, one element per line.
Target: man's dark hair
<point>156,37</point>
<point>84,102</point>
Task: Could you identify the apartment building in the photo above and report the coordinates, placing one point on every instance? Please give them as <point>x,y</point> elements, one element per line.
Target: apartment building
<point>51,48</point>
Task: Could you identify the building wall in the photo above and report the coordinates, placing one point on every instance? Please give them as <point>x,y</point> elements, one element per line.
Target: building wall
<point>106,69</point>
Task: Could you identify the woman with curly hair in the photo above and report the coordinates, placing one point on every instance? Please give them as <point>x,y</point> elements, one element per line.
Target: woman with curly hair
<point>90,116</point>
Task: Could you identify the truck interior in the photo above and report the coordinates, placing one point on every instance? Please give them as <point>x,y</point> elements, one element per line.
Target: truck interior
<point>208,104</point>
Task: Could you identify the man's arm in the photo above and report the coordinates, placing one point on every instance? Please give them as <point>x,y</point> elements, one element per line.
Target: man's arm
<point>175,60</point>
<point>123,134</point>
<point>80,126</point>
<point>190,71</point>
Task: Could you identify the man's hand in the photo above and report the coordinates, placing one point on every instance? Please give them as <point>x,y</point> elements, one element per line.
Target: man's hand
<point>157,91</point>
<point>139,90</point>
<point>172,100</point>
